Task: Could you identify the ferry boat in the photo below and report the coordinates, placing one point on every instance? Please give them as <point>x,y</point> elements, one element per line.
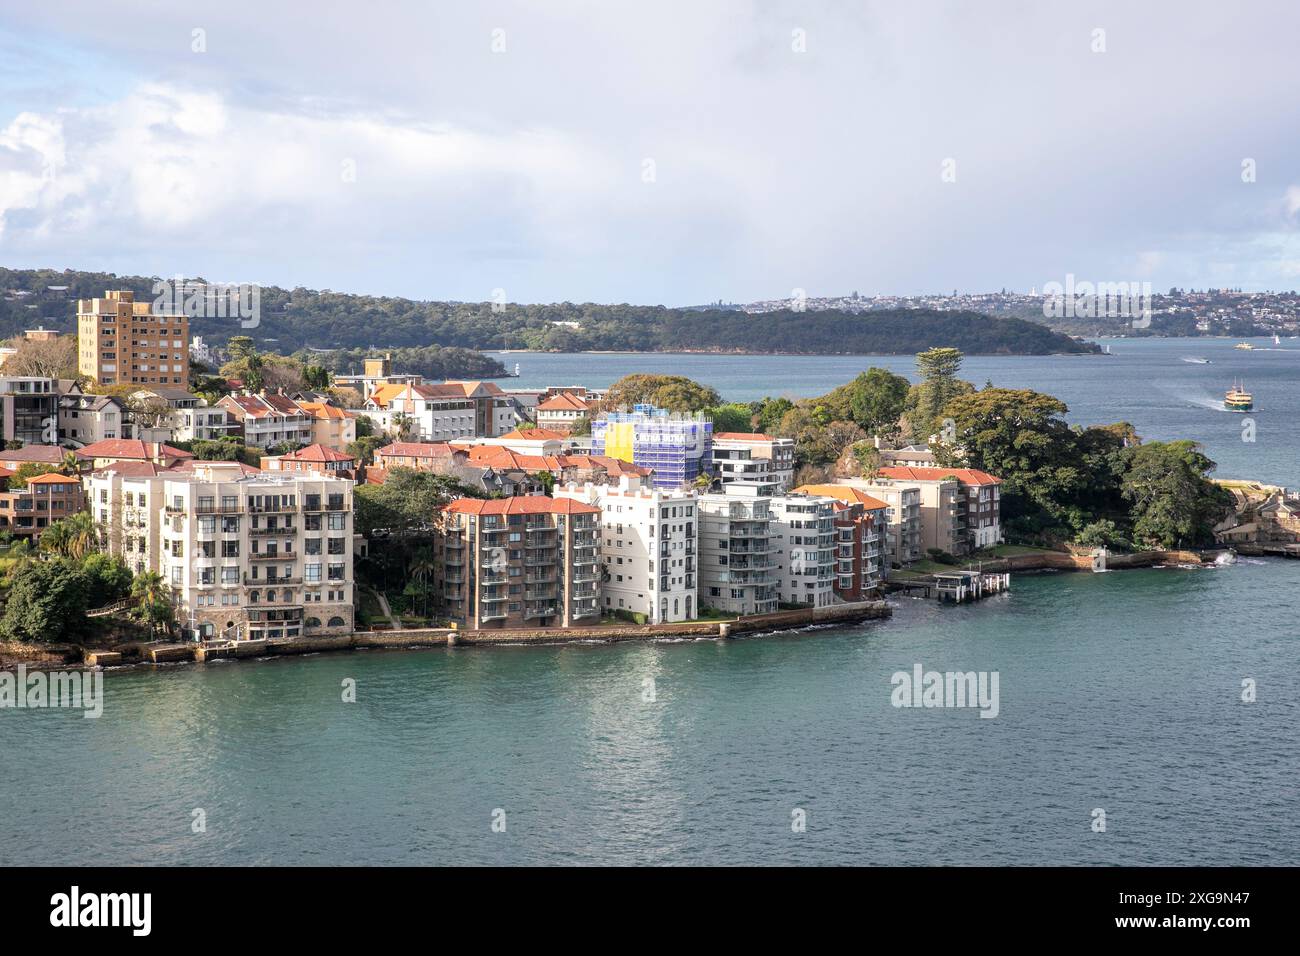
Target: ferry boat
<point>1238,400</point>
<point>1246,346</point>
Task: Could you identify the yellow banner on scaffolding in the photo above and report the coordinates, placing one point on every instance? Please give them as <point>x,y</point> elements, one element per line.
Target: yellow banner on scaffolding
<point>618,440</point>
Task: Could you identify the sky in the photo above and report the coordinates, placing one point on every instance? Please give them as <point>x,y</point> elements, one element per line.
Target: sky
<point>671,153</point>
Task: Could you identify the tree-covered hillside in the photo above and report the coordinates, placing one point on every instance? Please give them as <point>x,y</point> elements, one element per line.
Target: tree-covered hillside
<point>297,318</point>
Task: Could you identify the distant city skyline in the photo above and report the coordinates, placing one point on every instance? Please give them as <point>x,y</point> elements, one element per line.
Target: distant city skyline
<point>674,155</point>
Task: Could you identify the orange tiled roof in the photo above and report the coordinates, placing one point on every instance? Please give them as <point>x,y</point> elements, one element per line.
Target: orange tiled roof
<point>521,505</point>
<point>317,452</point>
<point>967,476</point>
<point>564,402</point>
<point>845,493</point>
<point>51,479</point>
<point>323,410</point>
<point>742,436</point>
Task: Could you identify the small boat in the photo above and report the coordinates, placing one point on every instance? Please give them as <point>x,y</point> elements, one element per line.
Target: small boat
<point>1238,400</point>
<point>1276,340</point>
<point>1245,346</point>
<point>1197,361</point>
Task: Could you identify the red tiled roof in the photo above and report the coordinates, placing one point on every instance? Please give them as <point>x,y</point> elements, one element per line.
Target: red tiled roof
<point>132,448</point>
<point>536,434</point>
<point>416,449</point>
<point>564,402</point>
<point>522,505</point>
<point>317,452</point>
<point>967,476</point>
<point>742,436</point>
<point>45,454</point>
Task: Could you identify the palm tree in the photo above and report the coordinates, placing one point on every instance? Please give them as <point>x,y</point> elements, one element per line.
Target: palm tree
<point>83,536</point>
<point>71,463</point>
<point>421,573</point>
<point>153,601</point>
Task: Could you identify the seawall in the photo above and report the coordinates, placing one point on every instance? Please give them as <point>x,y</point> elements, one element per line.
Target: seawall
<point>172,652</point>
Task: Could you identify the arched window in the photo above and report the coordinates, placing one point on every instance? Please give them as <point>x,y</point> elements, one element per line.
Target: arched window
<point>677,607</point>
<point>288,596</point>
<point>313,622</point>
<point>253,597</point>
<point>688,606</point>
<point>337,622</point>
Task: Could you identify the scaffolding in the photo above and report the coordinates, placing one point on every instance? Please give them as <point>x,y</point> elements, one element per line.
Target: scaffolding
<point>677,446</point>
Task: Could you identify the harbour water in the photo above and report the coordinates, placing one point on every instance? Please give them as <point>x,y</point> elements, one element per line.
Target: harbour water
<point>1152,383</point>
<point>1118,691</point>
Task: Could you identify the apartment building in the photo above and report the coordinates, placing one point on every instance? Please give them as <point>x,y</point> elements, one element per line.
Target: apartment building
<point>524,562</point>
<point>29,409</point>
<point>649,547</point>
<point>677,447</point>
<point>331,426</point>
<point>26,512</point>
<point>738,571</point>
<point>246,557</point>
<point>268,420</point>
<point>187,417</point>
<point>314,459</point>
<point>85,419</point>
<point>973,496</point>
<point>740,456</point>
<point>904,539</point>
<point>562,410</point>
<point>440,412</point>
<point>803,538</point>
<point>121,341</point>
<point>861,523</point>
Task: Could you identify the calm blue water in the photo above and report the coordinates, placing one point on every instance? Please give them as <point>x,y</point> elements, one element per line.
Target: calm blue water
<point>1118,691</point>
<point>1147,382</point>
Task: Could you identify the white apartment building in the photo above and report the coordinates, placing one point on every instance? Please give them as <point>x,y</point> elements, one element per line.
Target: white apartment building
<point>649,544</point>
<point>245,557</point>
<point>443,411</point>
<point>740,456</point>
<point>737,568</point>
<point>804,539</point>
<point>86,419</point>
<point>190,418</point>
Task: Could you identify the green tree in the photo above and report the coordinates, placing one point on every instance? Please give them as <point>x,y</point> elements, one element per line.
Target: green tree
<point>72,537</point>
<point>108,578</point>
<point>677,393</point>
<point>28,470</point>
<point>732,417</point>
<point>153,602</point>
<point>938,368</point>
<point>873,401</point>
<point>1174,502</point>
<point>47,602</point>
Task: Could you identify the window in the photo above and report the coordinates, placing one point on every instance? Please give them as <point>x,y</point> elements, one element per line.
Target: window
<point>338,521</point>
<point>229,549</point>
<point>313,546</point>
<point>230,575</point>
<point>312,573</point>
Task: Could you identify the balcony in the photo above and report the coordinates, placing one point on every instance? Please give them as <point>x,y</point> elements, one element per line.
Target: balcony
<point>265,532</point>
<point>266,508</point>
<point>273,556</point>
<point>547,610</point>
<point>273,582</point>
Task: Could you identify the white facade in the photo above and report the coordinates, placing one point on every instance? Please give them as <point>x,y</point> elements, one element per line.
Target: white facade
<point>649,548</point>
<point>803,532</point>
<point>737,567</point>
<point>245,557</point>
<point>757,458</point>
